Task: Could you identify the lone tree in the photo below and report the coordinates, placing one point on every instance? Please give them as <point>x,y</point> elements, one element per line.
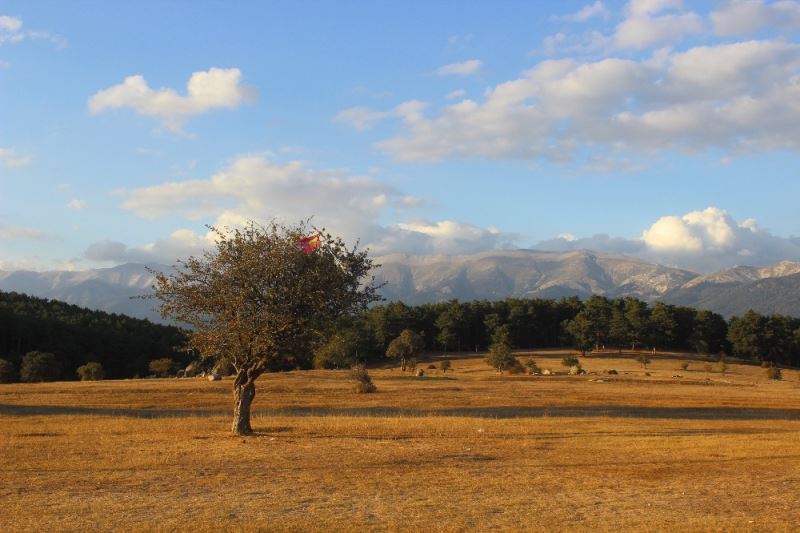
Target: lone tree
<point>262,297</point>
<point>407,346</point>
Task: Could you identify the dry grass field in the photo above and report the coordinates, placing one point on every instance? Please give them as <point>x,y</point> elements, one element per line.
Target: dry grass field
<point>469,450</point>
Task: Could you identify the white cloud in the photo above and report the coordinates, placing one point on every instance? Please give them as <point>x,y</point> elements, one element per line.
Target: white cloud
<point>744,17</point>
<point>215,88</point>
<point>10,24</point>
<point>704,241</point>
<point>458,93</point>
<point>465,68</point>
<point>11,32</point>
<point>361,118</point>
<point>739,98</point>
<point>651,7</point>
<point>252,187</point>
<point>10,158</point>
<point>587,12</point>
<point>8,232</point>
<point>76,204</point>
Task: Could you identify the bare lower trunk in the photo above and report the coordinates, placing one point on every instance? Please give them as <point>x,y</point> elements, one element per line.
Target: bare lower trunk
<point>244,390</point>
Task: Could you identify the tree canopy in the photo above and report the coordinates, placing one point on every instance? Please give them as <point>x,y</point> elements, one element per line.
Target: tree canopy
<point>261,300</point>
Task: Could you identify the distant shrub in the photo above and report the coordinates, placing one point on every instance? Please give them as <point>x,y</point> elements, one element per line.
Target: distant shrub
<point>162,367</point>
<point>91,372</point>
<point>431,367</point>
<point>684,366</point>
<point>39,366</point>
<point>612,372</point>
<point>532,367</point>
<point>412,364</point>
<point>643,360</point>
<point>774,372</point>
<point>445,365</point>
<point>8,374</point>
<point>338,352</point>
<point>500,357</point>
<point>723,366</point>
<point>570,362</point>
<point>516,367</point>
<point>708,367</point>
<point>364,384</point>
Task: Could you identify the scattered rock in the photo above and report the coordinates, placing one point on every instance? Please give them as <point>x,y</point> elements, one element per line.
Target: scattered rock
<point>420,373</point>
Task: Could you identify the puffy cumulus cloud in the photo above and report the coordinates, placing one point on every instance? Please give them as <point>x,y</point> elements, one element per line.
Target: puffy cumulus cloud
<point>10,158</point>
<point>645,31</point>
<point>465,68</point>
<point>10,232</point>
<point>587,12</point>
<point>737,97</point>
<point>255,188</point>
<point>744,17</point>
<point>216,88</point>
<point>703,241</point>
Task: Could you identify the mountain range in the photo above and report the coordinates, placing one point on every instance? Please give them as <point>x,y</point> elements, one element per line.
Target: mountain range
<point>489,275</point>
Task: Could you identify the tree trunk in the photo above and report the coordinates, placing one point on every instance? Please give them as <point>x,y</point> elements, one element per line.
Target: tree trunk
<point>244,390</point>
<point>402,364</point>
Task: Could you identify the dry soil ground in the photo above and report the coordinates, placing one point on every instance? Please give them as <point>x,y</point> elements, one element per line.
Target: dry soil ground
<point>469,450</point>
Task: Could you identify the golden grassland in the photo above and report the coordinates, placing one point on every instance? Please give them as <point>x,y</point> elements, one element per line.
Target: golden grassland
<point>466,450</point>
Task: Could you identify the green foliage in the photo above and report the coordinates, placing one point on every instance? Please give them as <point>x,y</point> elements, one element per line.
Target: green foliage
<point>164,367</point>
<point>338,352</point>
<point>123,345</point>
<point>408,345</point>
<point>501,358</point>
<point>445,365</point>
<point>532,367</point>
<point>8,373</point>
<point>363,380</point>
<point>570,362</point>
<point>662,325</point>
<point>590,326</point>
<point>39,366</point>
<point>92,371</point>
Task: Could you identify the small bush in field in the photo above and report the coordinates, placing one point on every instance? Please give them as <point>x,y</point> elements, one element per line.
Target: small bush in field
<point>39,366</point>
<point>8,374</point>
<point>516,367</point>
<point>708,368</point>
<point>723,366</point>
<point>162,367</point>
<point>570,362</point>
<point>533,368</point>
<point>774,372</point>
<point>612,372</point>
<point>364,383</point>
<point>684,366</point>
<point>412,364</point>
<point>643,360</point>
<point>431,367</point>
<point>445,365</point>
<point>91,372</point>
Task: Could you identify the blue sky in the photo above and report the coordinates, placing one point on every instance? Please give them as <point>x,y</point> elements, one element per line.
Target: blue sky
<point>429,127</point>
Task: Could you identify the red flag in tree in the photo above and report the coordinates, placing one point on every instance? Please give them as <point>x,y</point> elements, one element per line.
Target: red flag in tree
<point>310,244</point>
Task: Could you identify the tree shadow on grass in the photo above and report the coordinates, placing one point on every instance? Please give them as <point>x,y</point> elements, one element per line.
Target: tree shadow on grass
<point>497,412</point>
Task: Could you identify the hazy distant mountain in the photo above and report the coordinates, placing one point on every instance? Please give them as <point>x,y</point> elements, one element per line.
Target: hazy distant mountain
<point>524,274</point>
<point>772,289</point>
<point>490,275</point>
<point>106,289</point>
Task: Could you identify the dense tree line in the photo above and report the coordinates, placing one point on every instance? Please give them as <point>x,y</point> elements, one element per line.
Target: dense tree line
<point>125,346</point>
<point>597,323</point>
<point>122,345</point>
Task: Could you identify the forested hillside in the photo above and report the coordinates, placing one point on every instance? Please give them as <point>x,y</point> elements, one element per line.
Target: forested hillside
<point>121,344</point>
